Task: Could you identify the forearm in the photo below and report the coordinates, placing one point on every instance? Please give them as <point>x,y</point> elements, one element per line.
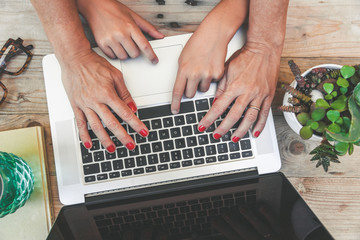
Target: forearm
<point>224,20</point>
<point>267,23</point>
<point>63,27</point>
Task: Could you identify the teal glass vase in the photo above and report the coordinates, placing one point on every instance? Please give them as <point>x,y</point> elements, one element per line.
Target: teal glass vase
<point>16,183</point>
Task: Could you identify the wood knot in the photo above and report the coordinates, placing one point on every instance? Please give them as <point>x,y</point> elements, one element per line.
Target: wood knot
<point>297,147</point>
<point>33,124</point>
<point>175,25</point>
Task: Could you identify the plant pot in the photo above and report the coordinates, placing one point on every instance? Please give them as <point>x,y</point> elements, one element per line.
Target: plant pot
<point>291,117</point>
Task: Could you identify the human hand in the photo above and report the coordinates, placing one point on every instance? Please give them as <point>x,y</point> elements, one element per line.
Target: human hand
<point>199,65</point>
<point>250,81</point>
<point>118,30</point>
<point>94,87</point>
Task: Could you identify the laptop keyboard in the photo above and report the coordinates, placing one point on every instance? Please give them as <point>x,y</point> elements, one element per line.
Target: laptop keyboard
<point>174,218</point>
<point>174,142</point>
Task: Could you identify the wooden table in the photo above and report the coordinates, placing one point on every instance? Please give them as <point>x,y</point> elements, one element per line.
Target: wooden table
<point>317,32</point>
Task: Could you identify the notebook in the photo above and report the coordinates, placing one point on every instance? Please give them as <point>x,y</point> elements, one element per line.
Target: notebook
<point>233,206</point>
<point>173,151</point>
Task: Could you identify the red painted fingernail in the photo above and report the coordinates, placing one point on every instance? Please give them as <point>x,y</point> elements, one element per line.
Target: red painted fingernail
<point>217,136</point>
<point>132,106</point>
<point>214,100</point>
<point>201,128</point>
<point>130,146</point>
<point>110,148</point>
<point>235,139</point>
<point>257,133</point>
<point>87,145</point>
<point>143,133</point>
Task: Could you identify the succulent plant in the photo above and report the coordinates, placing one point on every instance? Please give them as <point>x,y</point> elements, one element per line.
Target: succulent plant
<point>335,115</point>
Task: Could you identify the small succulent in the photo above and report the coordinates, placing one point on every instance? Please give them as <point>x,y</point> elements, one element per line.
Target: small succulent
<point>327,103</point>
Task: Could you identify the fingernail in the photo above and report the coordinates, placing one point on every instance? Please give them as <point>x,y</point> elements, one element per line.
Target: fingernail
<point>217,136</point>
<point>174,112</point>
<point>110,149</point>
<point>87,145</point>
<point>201,128</point>
<point>132,106</point>
<point>155,61</point>
<point>130,146</point>
<point>214,100</point>
<point>235,139</point>
<point>143,133</point>
<point>257,133</point>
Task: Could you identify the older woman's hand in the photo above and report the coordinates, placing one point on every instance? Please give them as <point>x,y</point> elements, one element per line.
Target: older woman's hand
<point>250,81</point>
<point>118,30</point>
<point>94,88</point>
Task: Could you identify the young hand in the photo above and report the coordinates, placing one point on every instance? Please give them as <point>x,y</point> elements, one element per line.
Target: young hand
<point>118,30</point>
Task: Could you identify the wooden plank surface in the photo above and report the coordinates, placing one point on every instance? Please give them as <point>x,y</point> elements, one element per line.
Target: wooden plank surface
<point>325,31</point>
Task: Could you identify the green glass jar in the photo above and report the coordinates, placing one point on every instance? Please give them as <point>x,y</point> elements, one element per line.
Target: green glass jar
<point>16,183</point>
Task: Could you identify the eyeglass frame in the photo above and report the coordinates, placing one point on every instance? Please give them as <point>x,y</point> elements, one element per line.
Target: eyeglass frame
<point>18,44</point>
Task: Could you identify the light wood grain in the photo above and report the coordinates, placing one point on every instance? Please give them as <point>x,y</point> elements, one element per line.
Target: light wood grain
<point>317,32</point>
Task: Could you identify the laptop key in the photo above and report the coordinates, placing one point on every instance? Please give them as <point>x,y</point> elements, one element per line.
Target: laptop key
<point>90,178</point>
<point>174,165</point>
<point>91,169</point>
<point>141,161</point>
<point>245,144</point>
<point>164,134</point>
<point>175,132</point>
<point>176,155</point>
<point>202,104</point>
<point>223,157</point>
<point>150,169</point>
<point>222,148</point>
<point>186,107</point>
<point>153,159</point>
<point>210,150</point>
<point>152,136</point>
<point>186,163</point>
<point>118,164</point>
<point>168,122</point>
<point>122,152</point>
<point>186,131</point>
<point>226,137</point>
<point>168,145</point>
<point>134,152</point>
<point>129,162</point>
<point>155,112</point>
<point>157,147</point>
<point>234,147</point>
<point>106,166</point>
<point>163,167</point>
<point>187,153</point>
<point>190,118</point>
<point>191,141</point>
<point>247,154</point>
<point>210,159</point>
<point>199,151</point>
<point>145,148</point>
<point>235,155</point>
<point>114,174</point>
<point>164,157</point>
<point>199,161</point>
<point>125,173</point>
<point>87,158</point>
<point>180,143</point>
<point>203,139</point>
<point>200,115</point>
<point>139,139</point>
<point>138,171</point>
<point>95,145</point>
<point>109,156</point>
<point>156,124</point>
<point>100,177</point>
<point>179,120</point>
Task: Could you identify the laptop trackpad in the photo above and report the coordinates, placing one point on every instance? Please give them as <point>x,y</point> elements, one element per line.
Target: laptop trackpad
<point>143,78</point>
<point>67,156</point>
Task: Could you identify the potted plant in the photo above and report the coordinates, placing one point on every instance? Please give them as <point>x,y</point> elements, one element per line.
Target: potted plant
<point>324,104</point>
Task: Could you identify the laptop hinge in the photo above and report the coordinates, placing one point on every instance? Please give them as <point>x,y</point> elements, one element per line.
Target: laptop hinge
<point>176,185</point>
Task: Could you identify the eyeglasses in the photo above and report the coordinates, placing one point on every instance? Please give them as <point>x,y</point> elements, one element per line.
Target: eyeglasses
<point>14,59</point>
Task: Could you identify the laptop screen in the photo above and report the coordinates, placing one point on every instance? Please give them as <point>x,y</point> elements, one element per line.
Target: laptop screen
<point>257,207</point>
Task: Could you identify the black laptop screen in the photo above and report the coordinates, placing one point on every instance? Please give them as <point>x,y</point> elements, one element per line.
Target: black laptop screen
<point>265,207</point>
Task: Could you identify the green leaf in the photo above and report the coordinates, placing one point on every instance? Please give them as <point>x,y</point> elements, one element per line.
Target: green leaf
<point>334,94</point>
<point>328,87</point>
<point>303,117</point>
<point>318,114</point>
<point>321,127</point>
<point>354,131</point>
<point>347,122</point>
<point>351,148</point>
<point>333,115</point>
<point>356,94</point>
<point>347,71</point>
<point>335,128</point>
<point>343,90</point>
<point>322,103</point>
<point>306,132</point>
<point>314,125</point>
<point>328,97</point>
<point>341,147</point>
<point>340,121</point>
<point>338,104</point>
<point>342,82</point>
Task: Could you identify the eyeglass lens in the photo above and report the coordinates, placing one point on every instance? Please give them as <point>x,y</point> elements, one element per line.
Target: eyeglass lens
<point>13,59</point>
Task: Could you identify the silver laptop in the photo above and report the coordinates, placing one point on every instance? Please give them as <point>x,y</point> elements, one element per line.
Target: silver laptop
<point>173,152</point>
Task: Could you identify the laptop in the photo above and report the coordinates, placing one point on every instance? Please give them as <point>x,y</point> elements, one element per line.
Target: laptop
<point>232,206</point>
<point>174,151</point>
